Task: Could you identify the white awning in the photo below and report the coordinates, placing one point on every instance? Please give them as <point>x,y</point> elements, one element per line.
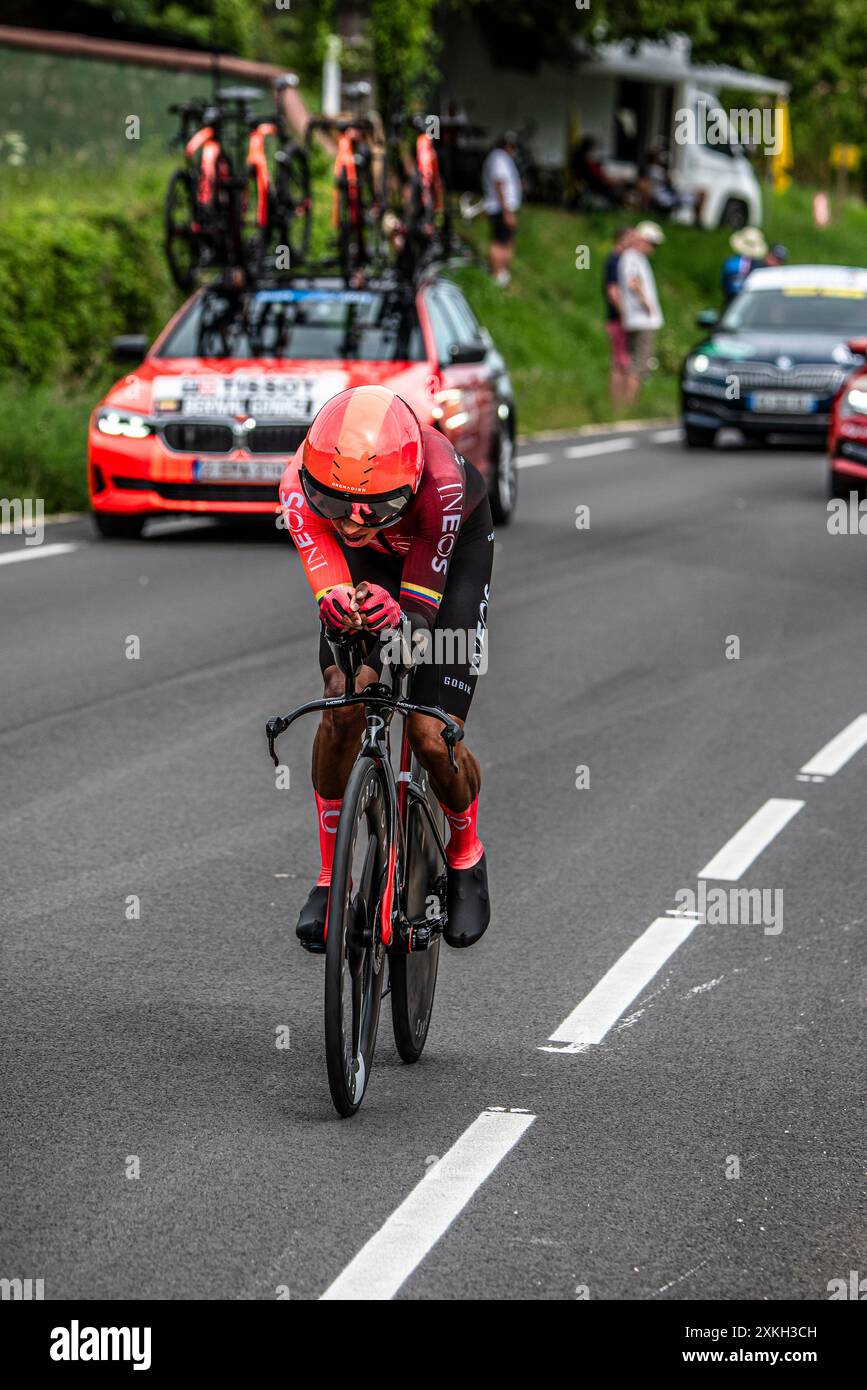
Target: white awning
<point>671,62</point>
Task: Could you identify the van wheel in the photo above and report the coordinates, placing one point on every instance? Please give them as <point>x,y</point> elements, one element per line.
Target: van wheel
<point>735,214</point>
<point>503,491</point>
<point>114,527</point>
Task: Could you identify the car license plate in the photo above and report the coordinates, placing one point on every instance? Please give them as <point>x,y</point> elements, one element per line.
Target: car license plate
<point>782,403</point>
<point>238,470</point>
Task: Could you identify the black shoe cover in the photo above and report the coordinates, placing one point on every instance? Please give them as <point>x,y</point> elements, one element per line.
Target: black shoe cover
<point>469,907</point>
<point>311,924</point>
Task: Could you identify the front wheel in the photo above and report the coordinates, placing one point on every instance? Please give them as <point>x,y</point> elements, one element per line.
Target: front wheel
<point>503,492</point>
<point>735,214</point>
<point>697,437</point>
<point>840,488</point>
<point>114,526</point>
<point>354,953</point>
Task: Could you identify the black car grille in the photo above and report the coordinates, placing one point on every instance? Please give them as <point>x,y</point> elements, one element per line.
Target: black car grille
<point>757,376</point>
<point>194,437</point>
<point>190,438</point>
<point>848,450</point>
<point>201,492</point>
<point>275,439</point>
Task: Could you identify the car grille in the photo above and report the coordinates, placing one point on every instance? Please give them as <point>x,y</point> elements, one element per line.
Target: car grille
<point>201,492</point>
<point>848,450</point>
<point>195,437</point>
<point>275,439</point>
<point>189,438</point>
<point>823,380</point>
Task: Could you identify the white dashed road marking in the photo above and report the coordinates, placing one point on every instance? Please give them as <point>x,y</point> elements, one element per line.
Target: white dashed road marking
<point>837,753</point>
<point>605,446</point>
<point>533,460</point>
<point>599,1011</point>
<point>36,552</point>
<point>666,436</point>
<point>398,1247</point>
<point>737,855</point>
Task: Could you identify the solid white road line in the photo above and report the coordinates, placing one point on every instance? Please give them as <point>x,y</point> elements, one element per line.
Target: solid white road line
<point>837,753</point>
<point>35,552</point>
<point>599,1011</point>
<point>390,1256</point>
<point>603,446</point>
<point>666,436</point>
<point>737,855</point>
<point>533,460</point>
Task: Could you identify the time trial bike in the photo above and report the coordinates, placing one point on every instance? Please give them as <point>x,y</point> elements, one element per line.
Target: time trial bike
<point>387,903</point>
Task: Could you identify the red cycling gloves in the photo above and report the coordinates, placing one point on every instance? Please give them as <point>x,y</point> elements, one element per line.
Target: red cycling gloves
<point>335,607</point>
<point>374,603</point>
<point>379,609</point>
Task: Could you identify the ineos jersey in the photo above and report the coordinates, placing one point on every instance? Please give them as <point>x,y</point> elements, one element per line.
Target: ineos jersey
<point>425,537</point>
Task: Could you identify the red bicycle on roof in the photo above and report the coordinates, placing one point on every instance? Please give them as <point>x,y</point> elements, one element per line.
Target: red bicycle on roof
<point>242,195</point>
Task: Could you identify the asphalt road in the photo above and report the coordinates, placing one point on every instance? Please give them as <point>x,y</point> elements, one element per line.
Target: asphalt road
<point>697,1129</point>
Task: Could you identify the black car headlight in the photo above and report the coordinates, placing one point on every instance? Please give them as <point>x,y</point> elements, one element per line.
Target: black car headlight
<point>123,424</point>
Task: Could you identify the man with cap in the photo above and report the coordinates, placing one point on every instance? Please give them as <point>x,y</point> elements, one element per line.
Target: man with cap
<point>749,250</point>
<point>639,303</point>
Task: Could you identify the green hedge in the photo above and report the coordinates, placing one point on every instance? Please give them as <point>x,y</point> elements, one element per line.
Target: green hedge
<point>73,277</point>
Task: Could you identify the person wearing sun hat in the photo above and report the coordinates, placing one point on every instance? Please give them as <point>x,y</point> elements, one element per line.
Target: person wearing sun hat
<point>639,303</point>
<point>749,250</point>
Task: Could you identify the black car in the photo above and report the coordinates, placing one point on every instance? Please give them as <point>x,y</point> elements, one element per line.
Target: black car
<point>775,360</point>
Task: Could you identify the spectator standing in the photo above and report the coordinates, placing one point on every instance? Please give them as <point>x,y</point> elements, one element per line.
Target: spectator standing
<point>620,365</point>
<point>502,192</point>
<point>640,312</point>
<point>749,250</point>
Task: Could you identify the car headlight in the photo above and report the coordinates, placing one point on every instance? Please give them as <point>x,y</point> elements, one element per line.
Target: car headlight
<point>698,364</point>
<point>856,401</point>
<point>123,424</point>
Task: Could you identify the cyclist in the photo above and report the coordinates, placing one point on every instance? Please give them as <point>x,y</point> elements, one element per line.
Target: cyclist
<point>395,533</point>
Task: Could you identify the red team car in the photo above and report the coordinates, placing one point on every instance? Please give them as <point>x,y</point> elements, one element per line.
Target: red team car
<point>206,421</point>
<point>847,434</point>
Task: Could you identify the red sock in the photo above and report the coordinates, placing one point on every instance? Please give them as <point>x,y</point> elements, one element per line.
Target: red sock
<point>329,815</point>
<point>464,848</point>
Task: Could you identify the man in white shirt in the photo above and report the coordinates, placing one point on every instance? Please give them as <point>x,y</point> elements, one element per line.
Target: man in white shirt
<point>501,191</point>
<point>639,303</point>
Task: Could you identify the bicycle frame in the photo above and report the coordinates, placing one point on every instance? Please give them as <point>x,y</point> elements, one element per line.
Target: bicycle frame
<point>429,170</point>
<point>344,163</point>
<point>381,703</point>
<point>206,141</point>
<point>257,161</point>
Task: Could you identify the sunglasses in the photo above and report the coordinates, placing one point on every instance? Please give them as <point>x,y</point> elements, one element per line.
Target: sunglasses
<point>380,511</point>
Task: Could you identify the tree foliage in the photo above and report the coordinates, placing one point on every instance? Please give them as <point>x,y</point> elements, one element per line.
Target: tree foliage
<point>819,46</point>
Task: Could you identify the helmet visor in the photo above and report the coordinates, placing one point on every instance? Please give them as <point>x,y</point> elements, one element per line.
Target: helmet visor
<point>383,510</point>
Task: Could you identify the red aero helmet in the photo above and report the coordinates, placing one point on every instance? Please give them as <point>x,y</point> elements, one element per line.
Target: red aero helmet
<point>365,442</point>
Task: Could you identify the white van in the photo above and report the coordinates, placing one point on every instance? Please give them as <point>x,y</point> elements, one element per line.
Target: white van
<point>718,179</point>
